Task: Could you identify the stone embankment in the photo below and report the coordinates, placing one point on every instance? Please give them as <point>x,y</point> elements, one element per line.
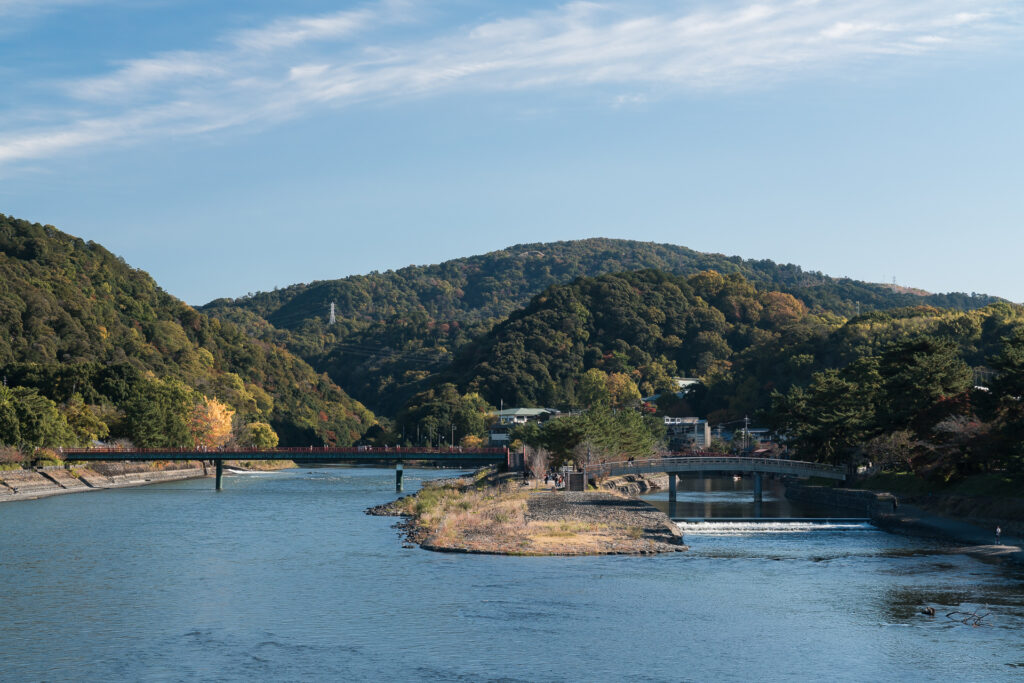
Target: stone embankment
<point>54,481</point>
<point>972,522</point>
<point>635,484</point>
<point>867,503</point>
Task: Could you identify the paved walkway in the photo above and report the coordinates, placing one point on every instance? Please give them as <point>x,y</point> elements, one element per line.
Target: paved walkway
<point>919,522</point>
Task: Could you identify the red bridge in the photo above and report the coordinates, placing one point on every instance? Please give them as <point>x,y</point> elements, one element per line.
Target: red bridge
<point>311,454</point>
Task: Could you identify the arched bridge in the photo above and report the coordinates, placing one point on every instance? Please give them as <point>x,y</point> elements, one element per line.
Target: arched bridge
<point>718,465</point>
<point>311,454</point>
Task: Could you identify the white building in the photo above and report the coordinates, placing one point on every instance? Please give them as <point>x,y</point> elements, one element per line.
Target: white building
<point>688,431</point>
<point>513,417</point>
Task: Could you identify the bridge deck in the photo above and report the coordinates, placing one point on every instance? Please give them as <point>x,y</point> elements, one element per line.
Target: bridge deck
<point>311,454</point>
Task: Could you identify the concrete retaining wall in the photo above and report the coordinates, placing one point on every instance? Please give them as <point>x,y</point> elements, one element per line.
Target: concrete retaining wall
<point>26,481</point>
<point>52,481</point>
<point>867,503</point>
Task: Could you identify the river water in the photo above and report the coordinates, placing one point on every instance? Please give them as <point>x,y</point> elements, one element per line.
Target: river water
<point>282,577</point>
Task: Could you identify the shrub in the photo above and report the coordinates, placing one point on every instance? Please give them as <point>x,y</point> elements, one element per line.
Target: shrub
<point>9,455</point>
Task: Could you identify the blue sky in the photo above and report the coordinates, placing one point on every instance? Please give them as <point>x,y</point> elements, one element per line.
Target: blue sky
<point>235,146</point>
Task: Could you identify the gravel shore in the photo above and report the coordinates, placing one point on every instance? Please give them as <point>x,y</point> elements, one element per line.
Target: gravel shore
<point>553,523</point>
<point>660,534</point>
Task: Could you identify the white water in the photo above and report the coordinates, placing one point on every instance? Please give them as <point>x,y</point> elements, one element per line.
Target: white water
<point>750,528</point>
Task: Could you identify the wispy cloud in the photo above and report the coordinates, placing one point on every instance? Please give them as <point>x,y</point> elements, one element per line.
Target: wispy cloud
<point>29,8</point>
<point>296,65</point>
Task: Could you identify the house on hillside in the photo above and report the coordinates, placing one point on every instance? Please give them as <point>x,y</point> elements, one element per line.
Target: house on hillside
<point>683,386</point>
<point>687,432</point>
<point>510,418</point>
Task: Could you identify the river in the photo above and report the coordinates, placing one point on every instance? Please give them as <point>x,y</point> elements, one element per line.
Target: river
<point>282,577</point>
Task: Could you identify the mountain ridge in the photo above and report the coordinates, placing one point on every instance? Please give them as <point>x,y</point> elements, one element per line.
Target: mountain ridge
<point>76,319</point>
<point>397,328</point>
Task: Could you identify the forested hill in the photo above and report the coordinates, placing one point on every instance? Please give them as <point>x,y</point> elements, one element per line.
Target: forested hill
<point>638,330</point>
<point>84,334</point>
<point>396,330</point>
<point>494,284</point>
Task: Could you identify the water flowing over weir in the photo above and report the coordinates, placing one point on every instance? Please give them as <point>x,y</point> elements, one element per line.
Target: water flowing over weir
<point>781,526</point>
<point>283,577</point>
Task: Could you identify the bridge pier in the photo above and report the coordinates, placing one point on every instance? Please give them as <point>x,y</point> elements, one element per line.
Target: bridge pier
<point>398,477</point>
<point>672,494</point>
<point>220,474</point>
<point>757,487</point>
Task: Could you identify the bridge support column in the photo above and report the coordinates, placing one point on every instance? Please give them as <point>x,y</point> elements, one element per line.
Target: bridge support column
<point>757,487</point>
<point>220,474</point>
<point>398,477</point>
<point>672,494</point>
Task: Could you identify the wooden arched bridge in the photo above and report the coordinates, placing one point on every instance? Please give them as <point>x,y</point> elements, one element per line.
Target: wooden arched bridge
<point>715,464</point>
<point>312,454</point>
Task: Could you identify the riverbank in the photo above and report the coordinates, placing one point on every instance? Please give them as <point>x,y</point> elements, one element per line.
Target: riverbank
<point>495,514</point>
<point>893,514</point>
<point>54,481</point>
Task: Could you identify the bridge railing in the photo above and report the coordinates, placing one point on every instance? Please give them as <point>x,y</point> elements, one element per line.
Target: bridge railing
<point>697,462</point>
<point>306,451</point>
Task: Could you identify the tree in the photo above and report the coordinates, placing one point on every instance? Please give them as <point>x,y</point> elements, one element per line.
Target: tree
<point>29,419</point>
<point>892,450</point>
<point>10,426</point>
<point>1003,403</point>
<point>210,423</point>
<point>915,375</point>
<point>257,435</point>
<point>601,434</point>
<point>158,415</point>
<point>437,411</point>
<point>593,389</point>
<point>537,461</point>
<point>83,421</point>
<point>528,433</point>
<point>622,391</point>
<point>561,435</point>
<point>829,420</point>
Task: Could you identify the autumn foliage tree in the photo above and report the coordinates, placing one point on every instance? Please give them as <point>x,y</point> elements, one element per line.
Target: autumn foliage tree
<point>211,423</point>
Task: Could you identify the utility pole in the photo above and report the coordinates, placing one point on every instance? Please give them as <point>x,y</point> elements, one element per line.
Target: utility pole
<point>746,433</point>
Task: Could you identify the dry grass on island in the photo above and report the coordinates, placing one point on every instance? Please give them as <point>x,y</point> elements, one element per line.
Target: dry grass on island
<point>496,514</point>
<point>260,465</point>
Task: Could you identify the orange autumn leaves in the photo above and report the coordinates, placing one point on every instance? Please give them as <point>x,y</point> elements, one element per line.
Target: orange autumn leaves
<point>210,423</point>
